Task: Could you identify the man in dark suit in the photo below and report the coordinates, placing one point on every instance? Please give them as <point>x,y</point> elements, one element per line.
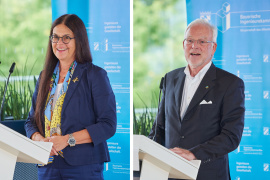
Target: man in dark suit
<point>201,114</point>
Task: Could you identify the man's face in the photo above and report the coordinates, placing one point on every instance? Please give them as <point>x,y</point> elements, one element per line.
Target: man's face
<point>198,55</point>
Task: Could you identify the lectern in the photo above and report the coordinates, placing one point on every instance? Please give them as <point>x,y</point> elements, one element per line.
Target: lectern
<point>159,163</point>
<point>15,147</point>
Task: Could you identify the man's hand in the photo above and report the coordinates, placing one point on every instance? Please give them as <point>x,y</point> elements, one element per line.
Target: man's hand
<point>184,153</point>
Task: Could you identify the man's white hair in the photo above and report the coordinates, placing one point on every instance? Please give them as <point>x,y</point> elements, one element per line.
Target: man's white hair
<point>206,23</point>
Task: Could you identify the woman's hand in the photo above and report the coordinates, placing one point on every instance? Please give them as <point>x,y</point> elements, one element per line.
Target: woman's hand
<point>53,151</point>
<point>38,137</point>
<point>59,142</point>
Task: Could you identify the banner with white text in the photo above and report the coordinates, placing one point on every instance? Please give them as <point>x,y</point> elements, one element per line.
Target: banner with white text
<point>243,49</point>
<point>108,27</point>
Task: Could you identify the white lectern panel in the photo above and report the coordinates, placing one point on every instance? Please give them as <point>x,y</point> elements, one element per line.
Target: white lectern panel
<point>16,147</point>
<point>161,163</point>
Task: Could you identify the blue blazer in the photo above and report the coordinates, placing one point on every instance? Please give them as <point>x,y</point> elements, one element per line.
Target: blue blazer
<point>89,104</point>
<point>209,131</point>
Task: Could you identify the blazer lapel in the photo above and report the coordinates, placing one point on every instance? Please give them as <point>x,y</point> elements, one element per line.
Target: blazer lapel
<point>204,87</point>
<point>75,80</point>
<point>178,90</point>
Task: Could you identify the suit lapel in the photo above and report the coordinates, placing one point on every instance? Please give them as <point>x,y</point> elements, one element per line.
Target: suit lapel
<point>75,80</point>
<point>178,89</point>
<point>205,86</point>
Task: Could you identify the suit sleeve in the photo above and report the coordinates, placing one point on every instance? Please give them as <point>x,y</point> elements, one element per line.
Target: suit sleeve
<point>30,125</point>
<point>158,129</point>
<point>231,123</point>
<point>104,107</point>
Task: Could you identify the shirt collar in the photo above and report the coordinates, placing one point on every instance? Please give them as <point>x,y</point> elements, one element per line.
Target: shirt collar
<point>201,73</point>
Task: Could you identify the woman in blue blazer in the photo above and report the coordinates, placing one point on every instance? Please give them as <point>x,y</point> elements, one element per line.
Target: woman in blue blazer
<point>73,106</point>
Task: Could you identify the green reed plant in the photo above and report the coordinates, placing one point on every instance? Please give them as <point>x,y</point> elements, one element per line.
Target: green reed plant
<point>19,94</point>
<point>143,121</point>
<point>1,97</point>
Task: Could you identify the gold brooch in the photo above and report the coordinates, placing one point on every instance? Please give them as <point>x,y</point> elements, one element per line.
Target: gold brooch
<point>76,79</point>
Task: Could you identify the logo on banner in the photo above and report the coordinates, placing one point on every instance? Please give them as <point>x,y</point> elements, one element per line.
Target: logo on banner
<point>96,46</point>
<point>265,58</point>
<point>265,94</point>
<point>106,45</point>
<point>266,167</point>
<point>238,73</point>
<point>103,46</point>
<point>106,166</point>
<point>237,150</point>
<point>222,17</point>
<point>265,131</point>
<point>206,16</point>
<point>237,178</point>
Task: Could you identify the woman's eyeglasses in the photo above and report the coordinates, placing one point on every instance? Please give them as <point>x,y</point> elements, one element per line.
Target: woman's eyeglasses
<point>65,39</point>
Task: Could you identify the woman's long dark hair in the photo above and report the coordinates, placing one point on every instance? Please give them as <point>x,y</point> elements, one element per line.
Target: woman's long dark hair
<point>82,55</point>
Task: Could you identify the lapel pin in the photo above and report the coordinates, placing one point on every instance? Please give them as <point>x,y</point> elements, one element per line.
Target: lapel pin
<point>76,79</point>
<point>206,87</point>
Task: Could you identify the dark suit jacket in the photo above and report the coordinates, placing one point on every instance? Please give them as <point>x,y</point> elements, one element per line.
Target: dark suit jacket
<point>89,104</point>
<point>209,131</point>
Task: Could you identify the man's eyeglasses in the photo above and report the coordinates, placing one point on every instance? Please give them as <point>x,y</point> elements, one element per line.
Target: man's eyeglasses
<point>199,41</point>
<point>65,39</point>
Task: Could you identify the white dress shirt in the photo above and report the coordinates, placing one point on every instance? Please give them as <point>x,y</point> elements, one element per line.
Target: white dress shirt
<point>190,87</point>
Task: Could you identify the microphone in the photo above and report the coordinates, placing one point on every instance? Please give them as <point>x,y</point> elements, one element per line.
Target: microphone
<point>160,88</point>
<point>12,68</point>
<point>3,100</point>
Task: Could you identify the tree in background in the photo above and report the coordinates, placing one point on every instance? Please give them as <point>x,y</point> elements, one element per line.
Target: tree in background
<point>24,33</point>
<point>158,31</point>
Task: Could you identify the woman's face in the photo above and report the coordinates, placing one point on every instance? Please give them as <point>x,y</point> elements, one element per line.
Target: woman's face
<point>65,52</point>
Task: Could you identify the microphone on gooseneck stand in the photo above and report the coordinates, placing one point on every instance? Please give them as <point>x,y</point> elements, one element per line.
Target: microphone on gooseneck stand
<point>160,88</point>
<point>11,68</point>
<point>3,100</point>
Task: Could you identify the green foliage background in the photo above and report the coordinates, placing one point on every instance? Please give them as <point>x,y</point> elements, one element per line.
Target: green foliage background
<point>158,30</point>
<point>158,33</point>
<point>24,33</point>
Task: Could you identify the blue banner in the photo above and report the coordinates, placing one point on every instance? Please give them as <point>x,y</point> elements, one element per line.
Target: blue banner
<point>243,49</point>
<point>108,26</point>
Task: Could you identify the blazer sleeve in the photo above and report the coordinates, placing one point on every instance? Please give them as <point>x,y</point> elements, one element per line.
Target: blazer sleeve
<point>104,106</point>
<point>231,123</point>
<point>30,125</point>
<point>158,129</point>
